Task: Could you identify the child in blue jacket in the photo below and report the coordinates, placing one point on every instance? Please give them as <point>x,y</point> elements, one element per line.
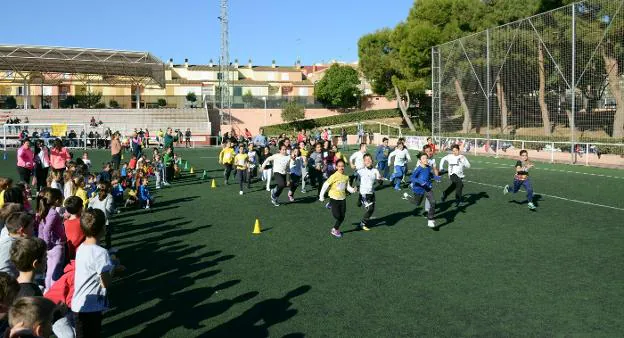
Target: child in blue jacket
<point>422,186</point>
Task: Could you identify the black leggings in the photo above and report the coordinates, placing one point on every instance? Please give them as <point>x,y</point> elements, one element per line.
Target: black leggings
<point>457,185</point>
<point>169,170</point>
<point>116,159</point>
<point>368,201</point>
<point>339,209</point>
<point>280,180</point>
<point>42,176</point>
<point>294,183</point>
<point>227,171</point>
<point>316,178</point>
<point>24,174</point>
<point>241,176</point>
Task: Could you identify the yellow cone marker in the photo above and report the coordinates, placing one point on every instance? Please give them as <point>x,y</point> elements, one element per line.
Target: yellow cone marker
<point>214,184</point>
<point>257,230</point>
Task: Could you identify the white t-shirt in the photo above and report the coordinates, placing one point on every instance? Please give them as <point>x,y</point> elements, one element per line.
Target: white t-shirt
<point>280,163</point>
<point>367,179</point>
<point>358,159</point>
<point>401,157</point>
<point>296,166</point>
<point>91,261</point>
<point>456,164</point>
<point>253,158</point>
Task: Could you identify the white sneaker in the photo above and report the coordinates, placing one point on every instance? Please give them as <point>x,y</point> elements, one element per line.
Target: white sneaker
<point>431,223</point>
<point>506,189</point>
<point>240,192</point>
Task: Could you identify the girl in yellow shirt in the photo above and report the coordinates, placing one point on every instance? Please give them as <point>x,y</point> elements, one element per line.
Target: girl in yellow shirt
<point>79,183</point>
<point>226,158</point>
<point>242,164</point>
<point>338,185</point>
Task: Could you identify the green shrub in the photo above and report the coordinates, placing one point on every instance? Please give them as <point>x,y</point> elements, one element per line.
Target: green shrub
<point>308,124</point>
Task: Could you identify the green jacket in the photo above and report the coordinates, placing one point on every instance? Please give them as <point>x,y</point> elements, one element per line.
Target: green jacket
<point>168,159</point>
<point>169,140</point>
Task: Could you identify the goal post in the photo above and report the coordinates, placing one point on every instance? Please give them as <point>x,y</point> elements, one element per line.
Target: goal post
<point>47,132</point>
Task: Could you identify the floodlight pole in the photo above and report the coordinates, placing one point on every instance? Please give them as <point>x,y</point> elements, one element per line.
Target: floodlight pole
<point>573,86</point>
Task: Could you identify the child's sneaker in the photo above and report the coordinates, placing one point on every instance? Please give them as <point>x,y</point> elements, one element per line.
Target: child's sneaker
<point>532,206</point>
<point>363,226</point>
<point>328,205</point>
<point>290,197</point>
<point>303,191</point>
<point>431,223</point>
<point>336,233</point>
<point>274,200</point>
<point>506,189</point>
<point>147,207</point>
<point>240,192</point>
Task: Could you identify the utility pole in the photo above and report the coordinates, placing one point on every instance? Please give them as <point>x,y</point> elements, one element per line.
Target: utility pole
<point>225,97</point>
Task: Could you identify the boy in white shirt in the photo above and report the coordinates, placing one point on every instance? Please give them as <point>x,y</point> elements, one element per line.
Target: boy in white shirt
<point>94,271</point>
<point>456,165</point>
<point>368,176</point>
<point>401,158</point>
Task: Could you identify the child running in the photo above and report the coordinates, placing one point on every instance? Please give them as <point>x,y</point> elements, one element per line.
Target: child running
<point>280,162</point>
<point>297,163</point>
<point>338,185</point>
<point>401,158</point>
<point>267,171</point>
<point>456,165</point>
<point>522,178</point>
<point>422,186</point>
<point>226,158</point>
<point>242,166</point>
<point>368,176</point>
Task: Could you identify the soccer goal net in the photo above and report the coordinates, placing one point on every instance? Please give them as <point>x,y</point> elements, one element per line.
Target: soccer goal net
<point>73,135</point>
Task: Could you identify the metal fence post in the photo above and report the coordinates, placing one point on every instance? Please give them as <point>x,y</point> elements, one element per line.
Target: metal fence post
<point>475,146</point>
<point>587,154</point>
<point>497,147</point>
<point>552,152</point>
<point>523,145</point>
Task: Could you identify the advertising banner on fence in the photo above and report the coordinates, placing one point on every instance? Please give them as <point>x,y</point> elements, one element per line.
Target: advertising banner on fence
<point>415,142</point>
<point>59,130</point>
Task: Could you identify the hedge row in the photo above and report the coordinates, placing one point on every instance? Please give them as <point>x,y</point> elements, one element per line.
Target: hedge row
<point>309,124</point>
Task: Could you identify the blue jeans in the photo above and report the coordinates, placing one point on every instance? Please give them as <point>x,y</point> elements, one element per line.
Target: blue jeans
<point>383,168</point>
<point>527,186</point>
<point>399,172</point>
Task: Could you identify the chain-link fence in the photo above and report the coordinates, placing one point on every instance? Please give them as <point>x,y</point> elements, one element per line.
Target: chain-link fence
<point>551,78</point>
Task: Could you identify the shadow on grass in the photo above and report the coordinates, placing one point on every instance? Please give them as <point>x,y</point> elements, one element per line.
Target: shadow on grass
<point>448,212</point>
<point>256,321</point>
<point>536,199</point>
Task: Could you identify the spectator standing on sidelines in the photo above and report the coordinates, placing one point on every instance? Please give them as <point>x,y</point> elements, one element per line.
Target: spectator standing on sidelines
<point>169,138</point>
<point>187,137</point>
<point>25,161</point>
<point>116,151</point>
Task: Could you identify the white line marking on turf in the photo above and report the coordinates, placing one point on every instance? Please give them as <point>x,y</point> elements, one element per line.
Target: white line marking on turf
<point>557,170</point>
<point>552,196</point>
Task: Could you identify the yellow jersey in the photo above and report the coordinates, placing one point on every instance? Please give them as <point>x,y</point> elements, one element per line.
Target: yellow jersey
<point>304,152</point>
<point>241,161</point>
<point>1,198</point>
<point>83,195</point>
<point>226,156</point>
<point>338,186</point>
<point>339,156</point>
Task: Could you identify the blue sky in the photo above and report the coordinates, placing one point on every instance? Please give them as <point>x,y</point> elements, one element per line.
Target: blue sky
<point>316,31</point>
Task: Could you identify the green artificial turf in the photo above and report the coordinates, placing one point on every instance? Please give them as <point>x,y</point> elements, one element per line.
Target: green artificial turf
<point>494,268</point>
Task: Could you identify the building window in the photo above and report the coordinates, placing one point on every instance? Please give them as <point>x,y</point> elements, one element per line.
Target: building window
<point>303,91</point>
<point>285,77</point>
<point>238,91</point>
<point>271,76</point>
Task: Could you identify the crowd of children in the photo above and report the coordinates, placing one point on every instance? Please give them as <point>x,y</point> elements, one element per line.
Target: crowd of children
<point>60,246</point>
<point>322,165</point>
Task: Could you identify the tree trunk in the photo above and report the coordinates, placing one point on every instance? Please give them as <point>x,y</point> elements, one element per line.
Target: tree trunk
<point>613,74</point>
<point>542,90</point>
<point>467,125</point>
<point>502,103</point>
<point>403,106</point>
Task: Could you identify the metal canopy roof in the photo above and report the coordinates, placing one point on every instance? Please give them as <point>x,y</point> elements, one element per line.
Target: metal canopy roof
<point>140,67</point>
